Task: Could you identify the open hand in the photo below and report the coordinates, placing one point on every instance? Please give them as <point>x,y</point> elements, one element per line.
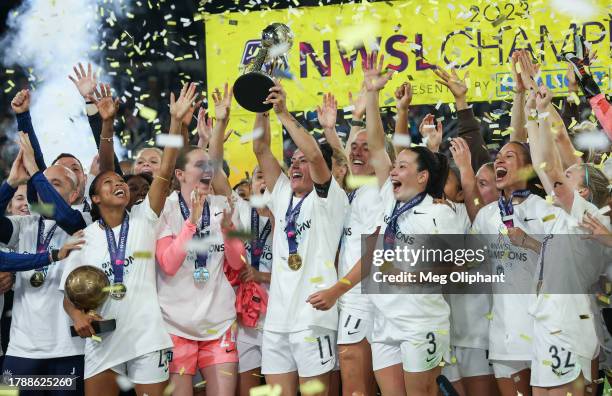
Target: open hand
<point>223,103</point>
<point>403,96</point>
<point>179,107</point>
<point>456,85</point>
<point>103,99</point>
<point>85,82</point>
<point>373,76</point>
<point>18,174</point>
<point>328,111</point>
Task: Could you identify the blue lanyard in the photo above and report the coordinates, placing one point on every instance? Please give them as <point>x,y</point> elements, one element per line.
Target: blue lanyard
<point>204,229</point>
<point>506,209</point>
<point>391,230</point>
<point>43,241</point>
<point>86,206</point>
<point>351,195</point>
<point>117,251</point>
<point>258,240</point>
<point>290,218</point>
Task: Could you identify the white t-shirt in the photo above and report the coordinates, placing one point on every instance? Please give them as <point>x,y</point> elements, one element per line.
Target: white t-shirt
<point>400,316</point>
<point>511,327</point>
<point>140,327</point>
<point>40,328</point>
<point>318,229</point>
<point>570,317</point>
<point>252,335</point>
<point>469,323</point>
<point>360,220</point>
<point>196,311</point>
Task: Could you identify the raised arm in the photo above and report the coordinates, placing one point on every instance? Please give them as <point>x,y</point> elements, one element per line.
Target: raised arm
<point>14,262</point>
<point>161,182</point>
<point>375,80</point>
<point>223,104</point>
<point>358,111</point>
<point>518,120</point>
<point>544,154</point>
<point>17,176</point>
<point>70,220</point>
<point>261,148</point>
<point>403,97</point>
<point>303,140</point>
<point>108,110</point>
<point>327,114</point>
<point>431,132</point>
<point>471,196</point>
<point>21,107</point>
<point>86,82</point>
<point>468,125</point>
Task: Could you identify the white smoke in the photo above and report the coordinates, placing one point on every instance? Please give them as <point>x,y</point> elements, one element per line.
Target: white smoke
<point>48,37</point>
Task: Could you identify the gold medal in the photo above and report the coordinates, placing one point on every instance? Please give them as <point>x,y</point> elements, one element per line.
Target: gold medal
<point>295,261</point>
<point>37,279</point>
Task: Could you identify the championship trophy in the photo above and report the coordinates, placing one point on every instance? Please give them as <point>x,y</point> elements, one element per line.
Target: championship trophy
<point>253,87</point>
<point>87,288</point>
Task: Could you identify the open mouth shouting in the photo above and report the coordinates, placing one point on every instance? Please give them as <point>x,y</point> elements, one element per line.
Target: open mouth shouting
<point>500,173</point>
<point>296,175</point>
<point>396,185</point>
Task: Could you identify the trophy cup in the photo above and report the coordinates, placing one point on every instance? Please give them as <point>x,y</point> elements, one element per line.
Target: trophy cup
<point>252,88</point>
<point>87,288</point>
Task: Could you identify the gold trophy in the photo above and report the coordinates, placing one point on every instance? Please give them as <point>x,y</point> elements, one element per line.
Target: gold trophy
<point>87,288</point>
<point>252,88</point>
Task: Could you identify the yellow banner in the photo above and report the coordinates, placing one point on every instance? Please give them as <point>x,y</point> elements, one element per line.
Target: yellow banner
<point>331,41</point>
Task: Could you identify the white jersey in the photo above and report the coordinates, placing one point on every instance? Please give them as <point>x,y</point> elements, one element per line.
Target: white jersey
<point>403,316</point>
<point>570,318</point>
<point>318,234</point>
<point>140,327</point>
<point>248,334</point>
<point>196,311</point>
<point>40,328</point>
<point>511,327</point>
<point>469,323</point>
<point>360,220</point>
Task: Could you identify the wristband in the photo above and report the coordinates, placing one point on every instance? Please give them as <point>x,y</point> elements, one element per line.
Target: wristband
<point>357,123</point>
<point>55,255</point>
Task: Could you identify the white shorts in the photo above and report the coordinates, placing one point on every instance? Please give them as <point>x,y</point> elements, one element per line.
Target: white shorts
<point>556,366</point>
<point>467,362</point>
<point>147,369</point>
<point>249,356</point>
<point>507,368</point>
<point>421,353</point>
<point>310,352</point>
<point>354,325</point>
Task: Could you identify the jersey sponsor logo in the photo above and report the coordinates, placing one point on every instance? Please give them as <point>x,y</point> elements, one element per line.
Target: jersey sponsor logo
<point>301,227</point>
<point>405,238</point>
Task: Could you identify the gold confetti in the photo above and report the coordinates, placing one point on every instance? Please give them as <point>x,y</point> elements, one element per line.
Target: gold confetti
<point>310,339</point>
<point>143,255</point>
<point>169,389</point>
<point>345,281</point>
<point>312,387</point>
<point>96,338</point>
<point>266,390</point>
<point>548,218</point>
<point>182,371</point>
<point>526,337</point>
<point>211,331</point>
<point>356,181</point>
<point>489,316</point>
<point>316,279</point>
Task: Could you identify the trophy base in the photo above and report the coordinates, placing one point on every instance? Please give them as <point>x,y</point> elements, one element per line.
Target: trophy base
<point>99,326</point>
<point>251,89</point>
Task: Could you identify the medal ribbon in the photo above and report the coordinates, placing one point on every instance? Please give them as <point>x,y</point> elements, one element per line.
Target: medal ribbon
<point>43,241</point>
<point>117,251</point>
<point>201,258</point>
<point>389,239</point>
<point>506,209</point>
<point>290,218</point>
<point>351,195</point>
<point>258,240</point>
